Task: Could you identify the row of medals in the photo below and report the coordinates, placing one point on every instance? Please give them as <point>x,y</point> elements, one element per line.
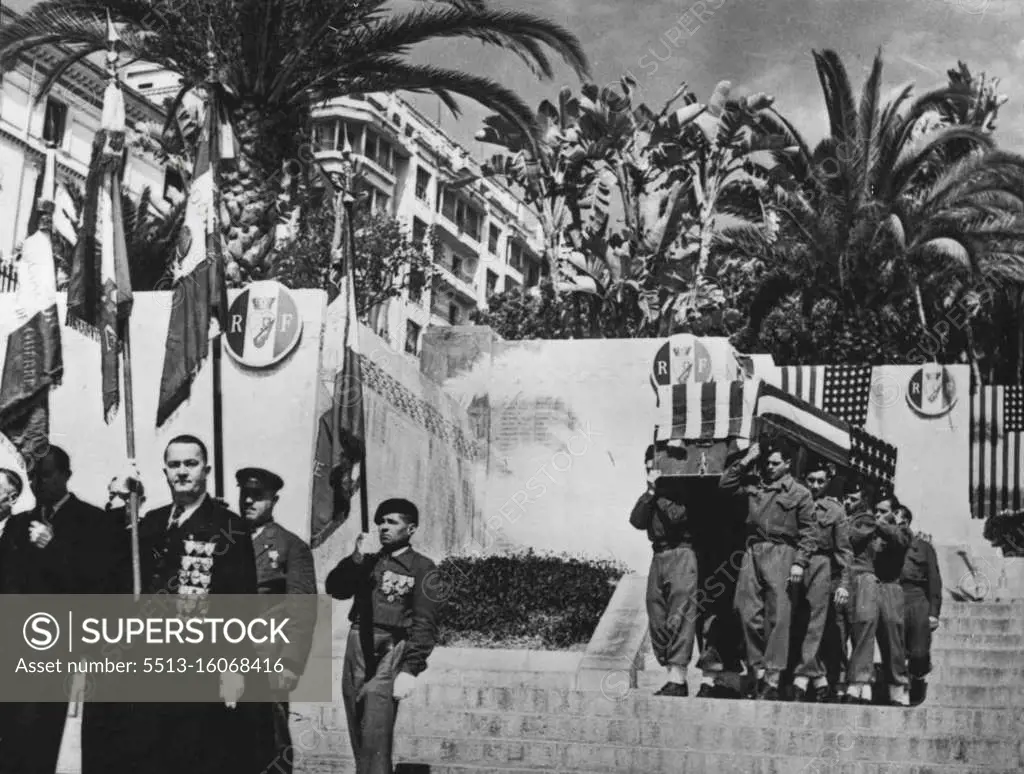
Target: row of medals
<point>194,578</point>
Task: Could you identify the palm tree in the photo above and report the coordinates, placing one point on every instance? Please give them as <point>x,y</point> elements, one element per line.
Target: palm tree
<point>268,62</point>
<point>897,190</point>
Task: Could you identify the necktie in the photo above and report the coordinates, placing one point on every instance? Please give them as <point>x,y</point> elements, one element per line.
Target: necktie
<point>176,514</point>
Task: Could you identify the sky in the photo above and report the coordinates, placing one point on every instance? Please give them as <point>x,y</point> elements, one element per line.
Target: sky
<point>757,45</point>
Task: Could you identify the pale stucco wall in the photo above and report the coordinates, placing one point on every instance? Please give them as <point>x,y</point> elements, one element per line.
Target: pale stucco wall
<point>569,422</point>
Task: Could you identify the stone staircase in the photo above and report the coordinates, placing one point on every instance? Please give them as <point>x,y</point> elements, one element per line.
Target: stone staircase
<point>526,711</point>
<point>521,720</point>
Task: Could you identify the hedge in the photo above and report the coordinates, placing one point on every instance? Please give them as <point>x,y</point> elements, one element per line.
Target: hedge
<point>551,601</point>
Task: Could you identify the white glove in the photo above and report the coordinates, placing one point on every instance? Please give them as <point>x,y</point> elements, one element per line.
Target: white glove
<point>40,534</point>
<point>232,686</point>
<point>405,684</point>
<point>122,484</point>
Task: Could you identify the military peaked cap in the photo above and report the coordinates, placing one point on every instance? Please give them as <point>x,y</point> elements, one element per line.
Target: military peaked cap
<point>258,478</point>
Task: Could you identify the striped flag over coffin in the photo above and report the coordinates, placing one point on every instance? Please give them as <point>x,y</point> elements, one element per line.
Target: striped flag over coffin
<point>844,391</point>
<point>706,411</point>
<point>262,324</point>
<point>997,424</point>
<point>826,435</point>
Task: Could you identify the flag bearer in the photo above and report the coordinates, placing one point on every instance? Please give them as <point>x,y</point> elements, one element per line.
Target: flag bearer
<point>403,584</point>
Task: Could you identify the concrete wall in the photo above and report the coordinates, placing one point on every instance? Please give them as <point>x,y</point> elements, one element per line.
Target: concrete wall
<point>568,423</point>
<point>420,445</point>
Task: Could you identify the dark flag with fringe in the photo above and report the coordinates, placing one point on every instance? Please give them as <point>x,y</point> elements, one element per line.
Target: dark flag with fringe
<point>100,293</point>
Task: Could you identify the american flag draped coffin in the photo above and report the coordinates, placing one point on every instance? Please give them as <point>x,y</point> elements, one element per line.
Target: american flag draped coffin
<point>705,422</point>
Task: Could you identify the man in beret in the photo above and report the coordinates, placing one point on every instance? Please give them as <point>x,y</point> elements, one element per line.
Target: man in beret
<point>400,581</point>
<point>284,565</point>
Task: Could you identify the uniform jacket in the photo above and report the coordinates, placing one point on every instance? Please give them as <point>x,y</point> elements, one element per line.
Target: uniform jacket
<point>877,548</point>
<point>402,601</point>
<point>284,566</point>
<point>921,570</point>
<point>664,519</point>
<point>779,512</point>
<point>76,560</point>
<point>833,538</point>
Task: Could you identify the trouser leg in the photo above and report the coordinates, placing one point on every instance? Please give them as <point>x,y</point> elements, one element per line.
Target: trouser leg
<point>680,590</point>
<point>815,606</point>
<point>776,561</point>
<point>370,705</point>
<point>918,632</point>
<point>749,604</point>
<point>864,623</point>
<point>891,634</point>
<point>833,650</point>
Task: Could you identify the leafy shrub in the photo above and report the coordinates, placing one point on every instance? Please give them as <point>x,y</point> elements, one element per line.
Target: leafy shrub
<point>549,601</point>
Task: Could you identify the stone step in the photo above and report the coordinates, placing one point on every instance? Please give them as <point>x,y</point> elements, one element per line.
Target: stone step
<point>981,625</point>
<point>694,763</point>
<point>943,639</point>
<point>931,719</point>
<point>956,657</point>
<point>1007,676</point>
<point>738,755</point>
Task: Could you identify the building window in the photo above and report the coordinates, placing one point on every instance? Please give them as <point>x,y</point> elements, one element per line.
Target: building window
<point>492,240</point>
<point>55,122</point>
<point>174,186</point>
<point>511,286</point>
<point>419,231</point>
<point>515,255</point>
<point>456,265</point>
<point>412,337</point>
<point>467,219</point>
<point>417,281</point>
<point>454,314</point>
<point>381,202</point>
<point>325,136</point>
<point>422,184</point>
<point>492,283</point>
<point>379,151</point>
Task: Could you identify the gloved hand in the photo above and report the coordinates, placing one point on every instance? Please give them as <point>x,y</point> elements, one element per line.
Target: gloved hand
<point>405,684</point>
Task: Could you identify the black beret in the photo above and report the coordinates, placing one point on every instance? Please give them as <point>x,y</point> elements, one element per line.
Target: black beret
<point>397,505</point>
<point>258,478</point>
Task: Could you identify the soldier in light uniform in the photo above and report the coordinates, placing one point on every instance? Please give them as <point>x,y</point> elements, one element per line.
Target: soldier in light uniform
<point>879,549</point>
<point>284,565</point>
<point>672,580</point>
<point>782,536</point>
<point>826,587</point>
<point>400,581</point>
<point>922,594</point>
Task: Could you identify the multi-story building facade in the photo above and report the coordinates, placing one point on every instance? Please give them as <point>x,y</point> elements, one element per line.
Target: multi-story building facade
<point>490,240</point>
<point>69,118</point>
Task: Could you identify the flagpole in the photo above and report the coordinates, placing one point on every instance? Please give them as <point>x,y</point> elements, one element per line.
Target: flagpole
<point>126,361</point>
<point>129,429</point>
<point>364,598</point>
<point>218,403</point>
